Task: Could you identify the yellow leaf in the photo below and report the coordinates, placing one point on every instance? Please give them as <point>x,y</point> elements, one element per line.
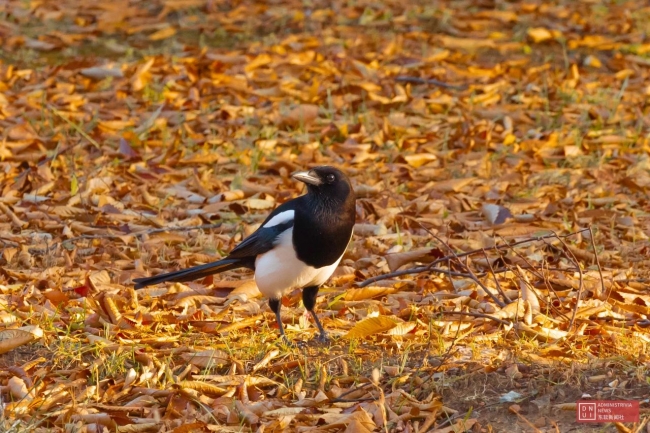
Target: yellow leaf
<point>509,139</point>
<point>74,185</point>
<point>202,387</point>
<point>624,73</point>
<point>114,125</point>
<point>539,34</point>
<point>367,293</point>
<point>258,203</point>
<point>261,60</point>
<point>592,61</point>
<point>467,44</point>
<point>370,326</point>
<point>419,159</point>
<point>161,34</point>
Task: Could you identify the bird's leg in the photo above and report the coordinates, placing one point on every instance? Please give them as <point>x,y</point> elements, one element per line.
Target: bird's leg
<point>275,305</point>
<point>309,300</point>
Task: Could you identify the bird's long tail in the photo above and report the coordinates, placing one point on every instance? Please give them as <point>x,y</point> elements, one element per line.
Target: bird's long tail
<point>193,273</point>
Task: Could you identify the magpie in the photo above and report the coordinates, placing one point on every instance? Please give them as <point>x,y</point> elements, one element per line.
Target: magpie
<point>298,246</point>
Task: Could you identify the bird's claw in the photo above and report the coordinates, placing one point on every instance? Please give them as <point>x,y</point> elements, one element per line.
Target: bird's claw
<point>299,344</point>
<point>323,339</point>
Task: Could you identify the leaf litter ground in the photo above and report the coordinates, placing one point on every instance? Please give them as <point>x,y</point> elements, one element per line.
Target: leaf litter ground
<point>499,269</point>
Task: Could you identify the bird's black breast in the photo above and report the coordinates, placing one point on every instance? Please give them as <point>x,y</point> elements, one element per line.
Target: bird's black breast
<point>320,239</point>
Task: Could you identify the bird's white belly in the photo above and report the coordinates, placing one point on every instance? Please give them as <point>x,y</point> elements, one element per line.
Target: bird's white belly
<point>279,270</point>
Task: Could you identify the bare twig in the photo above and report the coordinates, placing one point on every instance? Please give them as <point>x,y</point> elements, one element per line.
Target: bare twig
<point>420,269</point>
<point>600,270</point>
<point>470,273</point>
<point>642,425</point>
<point>481,315</point>
<point>445,357</point>
<point>474,277</point>
<point>431,81</point>
<point>496,280</point>
<point>75,127</point>
<point>340,398</point>
<point>574,259</point>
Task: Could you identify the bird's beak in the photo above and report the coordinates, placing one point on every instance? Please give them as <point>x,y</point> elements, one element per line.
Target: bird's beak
<point>309,177</point>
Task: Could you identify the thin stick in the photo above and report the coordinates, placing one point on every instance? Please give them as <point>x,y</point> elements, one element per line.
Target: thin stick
<point>581,282</point>
<point>473,276</point>
<point>600,270</point>
<point>420,269</point>
<point>496,280</point>
<point>341,399</point>
<point>641,425</point>
<point>75,127</point>
<point>471,273</point>
<point>444,359</point>
<point>481,315</point>
<point>433,82</point>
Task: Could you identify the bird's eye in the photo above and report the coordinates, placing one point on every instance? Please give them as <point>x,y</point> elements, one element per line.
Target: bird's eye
<point>330,178</point>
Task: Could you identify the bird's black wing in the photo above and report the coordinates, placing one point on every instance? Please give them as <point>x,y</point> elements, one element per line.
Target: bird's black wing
<point>263,239</point>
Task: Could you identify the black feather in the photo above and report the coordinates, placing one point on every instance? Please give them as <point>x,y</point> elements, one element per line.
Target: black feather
<point>192,273</point>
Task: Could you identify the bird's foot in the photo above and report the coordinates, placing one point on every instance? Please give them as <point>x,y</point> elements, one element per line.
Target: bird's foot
<point>323,338</point>
<point>320,339</point>
<point>299,344</point>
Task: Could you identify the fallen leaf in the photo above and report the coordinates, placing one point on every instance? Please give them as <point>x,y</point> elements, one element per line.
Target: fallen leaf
<point>370,326</point>
<point>302,115</point>
<point>539,34</point>
<point>13,338</point>
<point>161,34</point>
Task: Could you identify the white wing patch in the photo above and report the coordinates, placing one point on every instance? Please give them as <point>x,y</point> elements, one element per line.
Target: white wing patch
<point>280,218</point>
<point>279,270</point>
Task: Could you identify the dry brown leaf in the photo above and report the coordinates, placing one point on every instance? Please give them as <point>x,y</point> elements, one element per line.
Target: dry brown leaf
<point>247,290</point>
<point>461,425</point>
<point>12,338</point>
<point>18,389</point>
<point>302,115</point>
<point>419,159</point>
<point>356,422</point>
<point>452,185</point>
<point>424,255</point>
<point>193,427</point>
<point>206,358</point>
<point>272,354</point>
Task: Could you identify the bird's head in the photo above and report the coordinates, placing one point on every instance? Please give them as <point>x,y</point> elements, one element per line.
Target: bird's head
<point>327,182</point>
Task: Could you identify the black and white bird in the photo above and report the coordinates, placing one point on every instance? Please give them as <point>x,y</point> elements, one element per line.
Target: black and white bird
<point>298,246</point>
